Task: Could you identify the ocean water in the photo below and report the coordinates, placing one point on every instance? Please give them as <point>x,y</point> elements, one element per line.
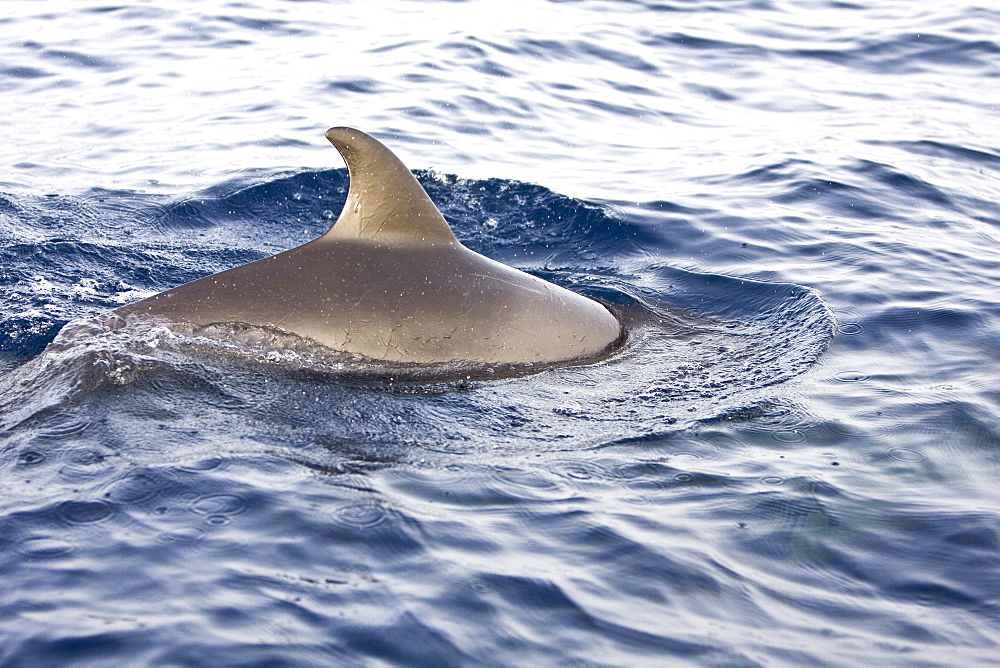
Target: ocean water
<point>794,207</point>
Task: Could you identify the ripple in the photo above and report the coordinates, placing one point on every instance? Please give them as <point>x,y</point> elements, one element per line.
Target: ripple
<point>85,512</point>
<point>181,387</point>
<point>791,436</point>
<point>580,471</point>
<point>580,378</point>
<point>135,488</point>
<point>360,515</point>
<point>225,400</point>
<point>524,478</point>
<point>647,485</point>
<point>450,447</point>
<point>83,463</point>
<point>851,376</point>
<point>786,427</point>
<point>44,547</point>
<point>481,587</point>
<point>182,536</point>
<point>25,72</point>
<point>218,520</point>
<point>906,455</point>
<point>208,464</point>
<point>219,504</point>
<point>66,426</point>
<point>696,450</point>
<point>30,458</point>
<point>433,483</point>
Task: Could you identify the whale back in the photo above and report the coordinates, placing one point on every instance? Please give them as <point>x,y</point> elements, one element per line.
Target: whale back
<point>390,281</point>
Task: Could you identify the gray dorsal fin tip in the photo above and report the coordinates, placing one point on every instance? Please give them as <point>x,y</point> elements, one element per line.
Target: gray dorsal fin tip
<point>385,202</point>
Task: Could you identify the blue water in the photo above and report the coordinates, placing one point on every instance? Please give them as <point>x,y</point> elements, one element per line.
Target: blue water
<point>794,206</point>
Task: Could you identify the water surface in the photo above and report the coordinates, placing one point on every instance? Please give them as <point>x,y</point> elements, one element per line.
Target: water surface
<point>792,463</point>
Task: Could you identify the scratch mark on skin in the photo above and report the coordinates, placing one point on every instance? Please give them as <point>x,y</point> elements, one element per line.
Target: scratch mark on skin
<point>437,341</point>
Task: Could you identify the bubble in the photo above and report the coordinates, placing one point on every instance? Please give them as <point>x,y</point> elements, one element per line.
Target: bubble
<point>851,376</point>
<point>773,480</point>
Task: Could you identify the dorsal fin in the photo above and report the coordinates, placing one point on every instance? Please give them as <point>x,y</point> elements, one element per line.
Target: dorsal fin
<point>385,203</point>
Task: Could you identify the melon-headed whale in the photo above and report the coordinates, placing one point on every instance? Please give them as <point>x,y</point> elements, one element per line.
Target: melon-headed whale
<point>390,281</point>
